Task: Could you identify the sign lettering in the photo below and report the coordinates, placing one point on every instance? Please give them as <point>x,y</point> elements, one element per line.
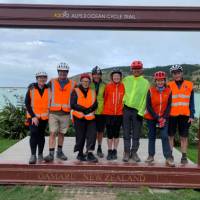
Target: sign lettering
<point>95,15</point>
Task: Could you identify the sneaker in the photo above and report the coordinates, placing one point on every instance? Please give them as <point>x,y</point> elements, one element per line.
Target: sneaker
<point>109,156</point>
<point>81,157</point>
<point>114,154</point>
<point>170,162</point>
<point>135,157</point>
<point>91,157</point>
<point>40,157</point>
<point>184,160</point>
<point>49,158</point>
<point>99,152</point>
<point>61,156</point>
<point>33,159</point>
<point>126,156</point>
<point>149,160</point>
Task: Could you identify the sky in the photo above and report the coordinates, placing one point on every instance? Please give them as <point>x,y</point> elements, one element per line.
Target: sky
<point>23,52</point>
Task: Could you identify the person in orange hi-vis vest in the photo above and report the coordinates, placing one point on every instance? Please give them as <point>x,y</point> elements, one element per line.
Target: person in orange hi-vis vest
<point>84,104</point>
<point>59,116</point>
<point>113,111</point>
<point>37,106</point>
<point>158,107</point>
<point>182,109</point>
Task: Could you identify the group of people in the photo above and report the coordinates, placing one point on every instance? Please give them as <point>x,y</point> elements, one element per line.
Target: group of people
<point>94,106</point>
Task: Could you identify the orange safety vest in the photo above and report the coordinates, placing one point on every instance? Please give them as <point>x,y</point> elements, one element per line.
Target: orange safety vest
<point>40,104</point>
<point>159,101</point>
<point>60,97</point>
<point>85,102</point>
<point>180,98</point>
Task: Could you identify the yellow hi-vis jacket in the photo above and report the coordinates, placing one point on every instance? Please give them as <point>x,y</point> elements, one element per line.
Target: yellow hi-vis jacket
<point>136,89</point>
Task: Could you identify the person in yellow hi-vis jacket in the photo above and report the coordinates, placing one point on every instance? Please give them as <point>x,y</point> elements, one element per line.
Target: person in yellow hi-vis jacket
<point>99,86</point>
<point>136,88</point>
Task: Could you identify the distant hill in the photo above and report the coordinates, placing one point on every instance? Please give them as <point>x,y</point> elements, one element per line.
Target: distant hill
<point>148,72</point>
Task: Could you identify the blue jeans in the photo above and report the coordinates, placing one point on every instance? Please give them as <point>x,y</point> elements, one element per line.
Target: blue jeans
<point>151,124</point>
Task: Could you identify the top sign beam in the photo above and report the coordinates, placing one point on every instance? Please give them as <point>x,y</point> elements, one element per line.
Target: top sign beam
<point>99,17</point>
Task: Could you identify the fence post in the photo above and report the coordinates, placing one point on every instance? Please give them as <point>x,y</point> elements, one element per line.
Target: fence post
<point>199,144</point>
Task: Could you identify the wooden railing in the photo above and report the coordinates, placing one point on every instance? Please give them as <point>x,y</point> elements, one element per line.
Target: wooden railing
<point>99,17</point>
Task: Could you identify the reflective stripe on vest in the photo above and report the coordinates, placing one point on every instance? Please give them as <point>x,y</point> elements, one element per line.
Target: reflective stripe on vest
<point>42,115</point>
<point>180,98</point>
<point>58,106</point>
<point>180,104</point>
<point>80,115</point>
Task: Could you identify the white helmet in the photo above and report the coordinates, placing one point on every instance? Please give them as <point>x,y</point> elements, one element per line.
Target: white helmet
<point>63,67</point>
<point>38,74</point>
<point>174,68</point>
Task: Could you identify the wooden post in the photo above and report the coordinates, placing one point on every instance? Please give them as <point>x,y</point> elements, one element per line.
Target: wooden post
<point>199,144</point>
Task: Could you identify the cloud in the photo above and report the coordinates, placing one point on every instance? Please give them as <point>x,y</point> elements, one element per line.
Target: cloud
<point>35,43</point>
<point>26,52</point>
<point>23,52</point>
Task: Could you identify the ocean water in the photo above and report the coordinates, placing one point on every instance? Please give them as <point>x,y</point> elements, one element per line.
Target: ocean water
<point>16,95</point>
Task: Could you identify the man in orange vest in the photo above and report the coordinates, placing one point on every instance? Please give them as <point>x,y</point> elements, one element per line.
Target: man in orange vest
<point>84,104</point>
<point>61,89</point>
<point>182,109</point>
<point>37,106</point>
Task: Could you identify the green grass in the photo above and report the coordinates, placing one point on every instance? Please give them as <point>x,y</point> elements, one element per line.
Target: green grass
<point>145,194</point>
<point>193,153</point>
<point>28,193</point>
<point>6,143</point>
<point>53,193</point>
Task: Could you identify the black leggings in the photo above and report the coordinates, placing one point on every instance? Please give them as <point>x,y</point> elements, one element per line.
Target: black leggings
<point>37,136</point>
<point>113,125</point>
<point>85,132</point>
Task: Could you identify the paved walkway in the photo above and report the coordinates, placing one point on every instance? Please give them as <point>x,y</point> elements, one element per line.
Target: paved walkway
<point>20,152</point>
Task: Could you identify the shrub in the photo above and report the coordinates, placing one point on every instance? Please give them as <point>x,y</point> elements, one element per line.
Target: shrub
<point>12,121</point>
<point>12,124</point>
<point>193,134</point>
<point>71,130</point>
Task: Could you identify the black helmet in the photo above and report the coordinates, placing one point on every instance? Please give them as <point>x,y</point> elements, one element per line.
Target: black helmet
<point>96,70</point>
<point>116,71</point>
